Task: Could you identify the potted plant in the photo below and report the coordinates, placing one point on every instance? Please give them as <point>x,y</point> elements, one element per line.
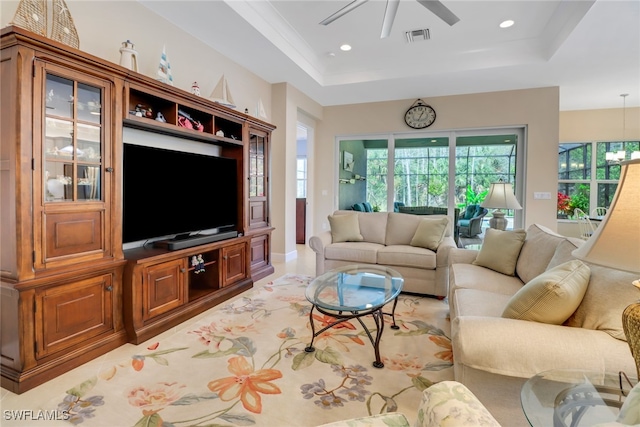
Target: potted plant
<point>563,206</point>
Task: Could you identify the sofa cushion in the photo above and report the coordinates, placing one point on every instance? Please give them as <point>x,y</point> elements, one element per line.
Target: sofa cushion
<point>407,256</point>
<point>475,302</point>
<point>537,250</point>
<point>401,228</point>
<point>356,252</point>
<point>373,227</point>
<point>430,233</point>
<point>469,276</point>
<point>563,252</point>
<point>500,250</point>
<point>551,297</point>
<point>608,293</point>
<point>345,228</point>
<point>470,212</point>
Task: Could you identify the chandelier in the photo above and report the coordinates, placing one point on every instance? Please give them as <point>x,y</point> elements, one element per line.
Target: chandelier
<point>620,155</point>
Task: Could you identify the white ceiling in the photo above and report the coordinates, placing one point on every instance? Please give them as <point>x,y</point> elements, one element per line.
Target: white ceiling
<point>590,49</point>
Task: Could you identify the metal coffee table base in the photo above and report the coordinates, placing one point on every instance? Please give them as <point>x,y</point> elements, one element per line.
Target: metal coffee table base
<point>378,318</point>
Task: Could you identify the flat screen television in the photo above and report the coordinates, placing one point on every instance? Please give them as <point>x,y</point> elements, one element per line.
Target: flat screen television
<point>169,193</point>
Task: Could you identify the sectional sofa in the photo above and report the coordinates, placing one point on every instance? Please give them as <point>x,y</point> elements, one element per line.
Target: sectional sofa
<point>521,308</point>
<point>416,246</point>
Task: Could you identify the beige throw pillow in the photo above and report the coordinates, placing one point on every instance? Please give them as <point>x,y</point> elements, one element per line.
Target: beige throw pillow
<point>430,233</point>
<point>551,297</point>
<point>500,250</point>
<point>345,228</point>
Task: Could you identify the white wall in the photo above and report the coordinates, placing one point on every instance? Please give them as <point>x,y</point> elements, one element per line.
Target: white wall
<point>537,109</point>
<point>103,25</point>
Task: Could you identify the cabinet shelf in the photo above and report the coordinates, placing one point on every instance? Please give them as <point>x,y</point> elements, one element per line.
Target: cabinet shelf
<point>145,105</point>
<point>173,130</point>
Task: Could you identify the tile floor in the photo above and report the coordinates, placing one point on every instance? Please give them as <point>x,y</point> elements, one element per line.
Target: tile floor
<point>37,397</point>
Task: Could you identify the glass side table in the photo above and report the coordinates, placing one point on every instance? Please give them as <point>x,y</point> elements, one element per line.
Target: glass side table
<point>571,398</point>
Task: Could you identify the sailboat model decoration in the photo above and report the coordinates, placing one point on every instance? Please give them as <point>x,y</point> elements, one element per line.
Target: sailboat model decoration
<point>164,69</point>
<point>33,15</point>
<point>221,93</point>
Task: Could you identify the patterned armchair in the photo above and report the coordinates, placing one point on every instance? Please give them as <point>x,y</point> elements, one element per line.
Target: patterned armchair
<point>470,222</point>
<point>447,403</point>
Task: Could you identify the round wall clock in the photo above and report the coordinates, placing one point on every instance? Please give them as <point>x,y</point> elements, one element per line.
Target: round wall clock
<point>420,115</point>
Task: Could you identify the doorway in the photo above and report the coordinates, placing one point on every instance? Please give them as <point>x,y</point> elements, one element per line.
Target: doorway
<point>302,182</point>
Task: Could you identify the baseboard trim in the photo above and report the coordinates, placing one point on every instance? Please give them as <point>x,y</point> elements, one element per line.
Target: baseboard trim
<point>277,257</point>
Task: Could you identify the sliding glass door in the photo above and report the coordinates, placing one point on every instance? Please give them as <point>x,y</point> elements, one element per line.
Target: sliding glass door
<point>439,169</point>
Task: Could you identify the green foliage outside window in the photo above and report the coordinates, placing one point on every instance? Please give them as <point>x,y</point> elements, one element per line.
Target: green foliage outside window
<point>474,198</point>
<point>580,183</point>
<point>580,199</point>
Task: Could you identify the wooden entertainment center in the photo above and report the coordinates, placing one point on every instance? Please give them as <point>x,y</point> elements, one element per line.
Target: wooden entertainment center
<point>69,291</point>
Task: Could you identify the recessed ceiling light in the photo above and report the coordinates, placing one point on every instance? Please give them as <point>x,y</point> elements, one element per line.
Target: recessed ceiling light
<point>345,47</point>
<point>507,23</point>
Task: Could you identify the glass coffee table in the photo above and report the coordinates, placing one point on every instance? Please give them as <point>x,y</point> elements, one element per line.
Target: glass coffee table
<point>353,292</point>
<point>571,398</point>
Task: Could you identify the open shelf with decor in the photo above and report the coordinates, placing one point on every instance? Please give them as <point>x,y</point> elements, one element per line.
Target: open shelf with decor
<point>163,113</point>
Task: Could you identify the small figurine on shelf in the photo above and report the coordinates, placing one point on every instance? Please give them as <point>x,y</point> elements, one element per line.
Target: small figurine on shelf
<point>200,264</point>
<point>160,117</point>
<point>195,89</point>
<point>197,262</point>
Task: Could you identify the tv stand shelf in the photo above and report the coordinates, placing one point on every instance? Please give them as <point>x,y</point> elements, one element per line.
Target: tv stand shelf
<point>163,288</point>
<point>218,126</point>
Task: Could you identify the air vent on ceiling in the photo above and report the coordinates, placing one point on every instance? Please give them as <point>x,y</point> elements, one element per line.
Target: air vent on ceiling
<point>417,35</point>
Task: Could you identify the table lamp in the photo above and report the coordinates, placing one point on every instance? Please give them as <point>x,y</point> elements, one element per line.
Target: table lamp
<point>616,244</point>
<point>500,197</point>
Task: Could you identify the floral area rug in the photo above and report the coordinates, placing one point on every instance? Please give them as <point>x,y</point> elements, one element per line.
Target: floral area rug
<point>244,364</point>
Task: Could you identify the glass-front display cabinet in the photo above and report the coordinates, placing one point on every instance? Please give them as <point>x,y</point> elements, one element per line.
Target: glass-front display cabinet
<point>258,179</point>
<point>73,140</point>
<point>71,157</point>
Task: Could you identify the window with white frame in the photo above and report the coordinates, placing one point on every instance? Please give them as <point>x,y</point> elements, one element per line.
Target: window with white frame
<point>587,181</point>
<point>301,177</point>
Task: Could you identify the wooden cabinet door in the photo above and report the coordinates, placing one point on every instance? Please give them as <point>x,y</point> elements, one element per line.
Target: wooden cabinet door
<point>163,288</point>
<point>234,263</point>
<point>73,313</point>
<point>72,146</point>
<point>259,251</point>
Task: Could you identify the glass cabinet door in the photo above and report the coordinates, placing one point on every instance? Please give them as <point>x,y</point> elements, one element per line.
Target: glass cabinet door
<point>258,181</point>
<point>73,138</point>
<point>256,166</point>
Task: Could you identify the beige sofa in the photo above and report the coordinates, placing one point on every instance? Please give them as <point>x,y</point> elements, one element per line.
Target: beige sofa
<point>495,355</point>
<point>386,240</point>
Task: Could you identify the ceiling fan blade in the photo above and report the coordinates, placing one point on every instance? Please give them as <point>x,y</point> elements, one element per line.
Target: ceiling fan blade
<point>389,16</point>
<point>440,10</point>
<point>348,8</point>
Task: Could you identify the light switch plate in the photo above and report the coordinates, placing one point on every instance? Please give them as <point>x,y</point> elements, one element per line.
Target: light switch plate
<point>541,195</point>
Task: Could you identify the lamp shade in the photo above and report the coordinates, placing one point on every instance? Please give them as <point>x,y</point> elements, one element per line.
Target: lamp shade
<point>616,241</point>
<point>501,197</point>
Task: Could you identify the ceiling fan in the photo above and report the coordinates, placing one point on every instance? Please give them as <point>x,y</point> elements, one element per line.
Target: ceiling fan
<point>435,6</point>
